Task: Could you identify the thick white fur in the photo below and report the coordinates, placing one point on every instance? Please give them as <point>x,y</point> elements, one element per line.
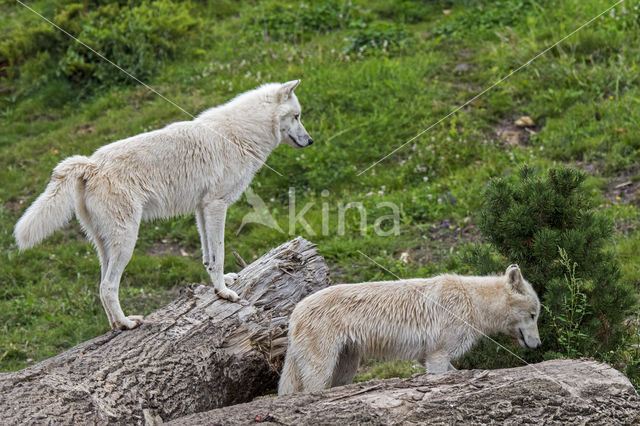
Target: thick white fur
<point>200,166</point>
<point>430,320</point>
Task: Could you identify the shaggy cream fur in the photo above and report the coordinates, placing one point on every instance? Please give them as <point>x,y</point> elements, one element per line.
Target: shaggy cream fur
<point>200,166</point>
<point>430,320</point>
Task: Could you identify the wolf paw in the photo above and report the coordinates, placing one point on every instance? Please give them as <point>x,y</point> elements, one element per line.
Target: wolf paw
<point>230,278</point>
<point>128,323</point>
<point>228,294</point>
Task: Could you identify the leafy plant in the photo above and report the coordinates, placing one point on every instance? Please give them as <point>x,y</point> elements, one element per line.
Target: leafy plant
<point>136,39</point>
<point>485,16</point>
<point>408,11</point>
<point>630,355</point>
<point>280,21</point>
<point>24,43</point>
<point>380,37</point>
<point>567,321</point>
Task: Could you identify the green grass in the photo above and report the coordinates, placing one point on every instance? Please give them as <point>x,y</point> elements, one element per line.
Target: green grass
<point>387,370</point>
<point>374,74</point>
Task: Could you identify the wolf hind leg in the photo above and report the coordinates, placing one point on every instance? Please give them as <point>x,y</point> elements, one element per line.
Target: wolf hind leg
<point>290,378</point>
<point>316,377</point>
<point>347,365</point>
<point>118,253</point>
<point>317,366</point>
<point>92,234</point>
<point>90,229</point>
<point>103,256</point>
<point>437,362</point>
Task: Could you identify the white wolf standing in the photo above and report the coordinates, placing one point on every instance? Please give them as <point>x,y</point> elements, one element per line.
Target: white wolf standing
<point>431,320</point>
<point>202,165</point>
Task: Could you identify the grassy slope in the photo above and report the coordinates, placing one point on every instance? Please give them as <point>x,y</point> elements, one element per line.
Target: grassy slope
<point>583,96</point>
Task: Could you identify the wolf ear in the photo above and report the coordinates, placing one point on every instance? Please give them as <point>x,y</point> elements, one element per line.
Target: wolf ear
<point>514,279</point>
<point>286,89</point>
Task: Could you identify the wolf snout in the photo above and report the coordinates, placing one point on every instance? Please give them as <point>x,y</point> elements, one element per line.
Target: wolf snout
<point>305,141</point>
<point>528,340</point>
<point>300,141</point>
<point>534,345</point>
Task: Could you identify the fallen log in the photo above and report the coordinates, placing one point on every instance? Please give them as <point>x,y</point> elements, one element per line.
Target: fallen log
<point>199,352</point>
<point>553,392</point>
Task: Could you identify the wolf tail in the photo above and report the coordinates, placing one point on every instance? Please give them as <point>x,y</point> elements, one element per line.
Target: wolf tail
<point>55,206</point>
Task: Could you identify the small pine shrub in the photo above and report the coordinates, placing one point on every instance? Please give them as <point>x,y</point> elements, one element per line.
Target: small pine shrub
<point>527,220</point>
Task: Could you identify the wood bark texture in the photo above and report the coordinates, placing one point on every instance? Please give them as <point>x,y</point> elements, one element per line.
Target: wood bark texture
<point>198,353</point>
<point>558,392</point>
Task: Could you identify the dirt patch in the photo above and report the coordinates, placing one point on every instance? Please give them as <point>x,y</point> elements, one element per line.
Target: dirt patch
<point>14,207</point>
<point>591,168</point>
<point>149,301</point>
<point>84,129</point>
<point>465,53</point>
<point>340,274</point>
<point>624,188</point>
<point>140,97</point>
<point>165,247</point>
<point>462,67</point>
<point>464,86</point>
<point>516,135</point>
<point>441,240</point>
<point>44,117</point>
<point>626,226</point>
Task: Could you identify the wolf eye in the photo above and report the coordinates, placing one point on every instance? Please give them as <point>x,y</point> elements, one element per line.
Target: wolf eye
<point>297,116</point>
<point>533,316</point>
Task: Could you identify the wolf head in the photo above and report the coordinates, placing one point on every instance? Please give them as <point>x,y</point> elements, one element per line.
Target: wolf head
<point>292,132</point>
<point>524,309</point>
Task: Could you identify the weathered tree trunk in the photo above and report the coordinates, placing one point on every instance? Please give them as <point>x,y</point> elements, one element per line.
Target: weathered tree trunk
<point>198,353</point>
<point>553,392</point>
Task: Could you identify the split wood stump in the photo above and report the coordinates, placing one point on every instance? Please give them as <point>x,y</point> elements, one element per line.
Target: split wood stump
<point>198,353</point>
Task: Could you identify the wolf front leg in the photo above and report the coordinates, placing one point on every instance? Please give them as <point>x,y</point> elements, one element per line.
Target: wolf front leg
<point>211,217</point>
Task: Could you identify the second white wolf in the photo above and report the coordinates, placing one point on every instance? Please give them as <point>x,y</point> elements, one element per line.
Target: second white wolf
<point>200,166</point>
<point>430,320</point>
